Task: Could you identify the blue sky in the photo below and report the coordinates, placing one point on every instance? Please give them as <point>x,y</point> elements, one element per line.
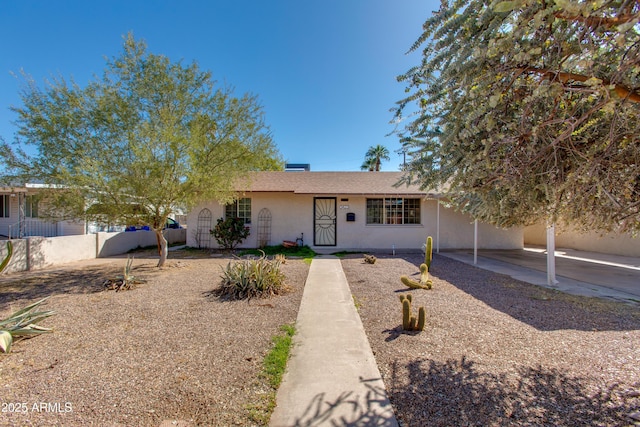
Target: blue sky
<point>324,71</point>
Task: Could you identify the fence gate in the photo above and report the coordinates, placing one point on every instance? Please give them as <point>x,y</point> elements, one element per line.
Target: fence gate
<point>203,231</point>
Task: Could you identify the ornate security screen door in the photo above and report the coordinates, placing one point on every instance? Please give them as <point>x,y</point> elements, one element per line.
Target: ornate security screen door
<point>324,230</point>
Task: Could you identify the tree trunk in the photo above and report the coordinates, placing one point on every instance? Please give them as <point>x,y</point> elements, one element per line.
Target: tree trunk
<point>163,247</point>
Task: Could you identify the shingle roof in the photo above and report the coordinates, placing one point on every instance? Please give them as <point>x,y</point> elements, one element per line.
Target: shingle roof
<point>330,183</point>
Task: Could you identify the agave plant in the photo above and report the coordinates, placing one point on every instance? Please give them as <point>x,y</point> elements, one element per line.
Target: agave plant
<point>23,324</point>
<point>252,278</point>
<point>124,282</point>
<point>5,262</point>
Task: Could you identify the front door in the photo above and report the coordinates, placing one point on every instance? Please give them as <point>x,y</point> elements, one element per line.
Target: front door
<point>324,230</point>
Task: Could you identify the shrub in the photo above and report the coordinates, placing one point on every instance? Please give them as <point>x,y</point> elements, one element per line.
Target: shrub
<point>252,278</point>
<point>230,232</point>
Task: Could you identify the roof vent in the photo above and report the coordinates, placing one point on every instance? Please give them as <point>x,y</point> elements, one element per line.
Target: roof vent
<point>297,167</point>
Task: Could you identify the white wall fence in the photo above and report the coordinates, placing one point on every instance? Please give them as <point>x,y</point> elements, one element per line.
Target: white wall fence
<point>34,253</point>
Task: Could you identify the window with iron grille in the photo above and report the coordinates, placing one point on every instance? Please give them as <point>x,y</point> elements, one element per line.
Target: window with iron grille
<point>393,210</point>
<point>241,208</point>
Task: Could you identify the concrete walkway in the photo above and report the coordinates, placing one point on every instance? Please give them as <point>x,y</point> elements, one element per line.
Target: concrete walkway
<point>332,378</point>
<point>578,272</point>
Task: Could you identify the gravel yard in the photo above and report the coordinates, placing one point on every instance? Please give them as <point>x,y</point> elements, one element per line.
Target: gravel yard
<point>164,351</point>
<point>496,351</point>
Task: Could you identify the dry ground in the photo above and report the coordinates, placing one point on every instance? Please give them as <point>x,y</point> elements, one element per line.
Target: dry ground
<point>495,351</point>
<point>498,352</point>
<point>163,351</point>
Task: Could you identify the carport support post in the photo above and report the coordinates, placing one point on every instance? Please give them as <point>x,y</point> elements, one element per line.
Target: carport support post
<point>475,242</point>
<point>438,225</point>
<point>551,255</point>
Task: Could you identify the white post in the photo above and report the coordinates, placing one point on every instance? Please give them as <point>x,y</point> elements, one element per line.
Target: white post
<point>475,242</point>
<point>551,255</point>
<point>438,226</point>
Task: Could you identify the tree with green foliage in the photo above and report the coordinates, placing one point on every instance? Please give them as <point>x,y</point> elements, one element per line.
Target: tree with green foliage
<point>529,110</point>
<point>374,157</point>
<point>130,148</point>
<point>369,164</point>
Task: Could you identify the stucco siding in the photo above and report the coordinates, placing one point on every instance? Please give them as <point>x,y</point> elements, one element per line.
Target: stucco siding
<point>607,243</point>
<point>360,235</point>
<point>217,211</point>
<point>44,252</point>
<point>293,214</point>
<point>457,232</point>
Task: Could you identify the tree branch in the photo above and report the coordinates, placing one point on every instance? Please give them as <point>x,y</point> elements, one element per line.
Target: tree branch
<point>564,77</point>
<point>597,21</point>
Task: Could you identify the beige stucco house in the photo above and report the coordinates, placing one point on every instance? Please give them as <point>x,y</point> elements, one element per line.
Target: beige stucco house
<point>344,211</point>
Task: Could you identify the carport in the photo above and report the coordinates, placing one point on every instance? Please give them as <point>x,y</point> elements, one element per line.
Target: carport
<point>577,272</point>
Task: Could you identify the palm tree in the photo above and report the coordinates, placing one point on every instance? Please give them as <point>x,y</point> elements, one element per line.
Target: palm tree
<point>369,164</point>
<point>374,156</point>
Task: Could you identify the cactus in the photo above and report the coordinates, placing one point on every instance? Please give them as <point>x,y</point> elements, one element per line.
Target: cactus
<point>370,259</point>
<point>422,316</point>
<point>409,322</point>
<point>406,314</point>
<point>428,253</point>
<point>425,282</point>
<point>5,262</point>
<point>424,275</point>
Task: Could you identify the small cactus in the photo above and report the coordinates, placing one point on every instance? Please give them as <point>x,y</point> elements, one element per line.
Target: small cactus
<point>406,297</point>
<point>370,259</point>
<point>422,317</point>
<point>406,315</point>
<point>425,282</point>
<point>409,322</point>
<point>428,252</point>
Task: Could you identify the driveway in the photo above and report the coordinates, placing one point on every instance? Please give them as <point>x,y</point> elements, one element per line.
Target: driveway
<point>577,272</point>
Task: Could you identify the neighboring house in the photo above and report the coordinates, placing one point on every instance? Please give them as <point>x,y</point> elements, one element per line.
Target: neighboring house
<point>20,215</point>
<point>344,211</point>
